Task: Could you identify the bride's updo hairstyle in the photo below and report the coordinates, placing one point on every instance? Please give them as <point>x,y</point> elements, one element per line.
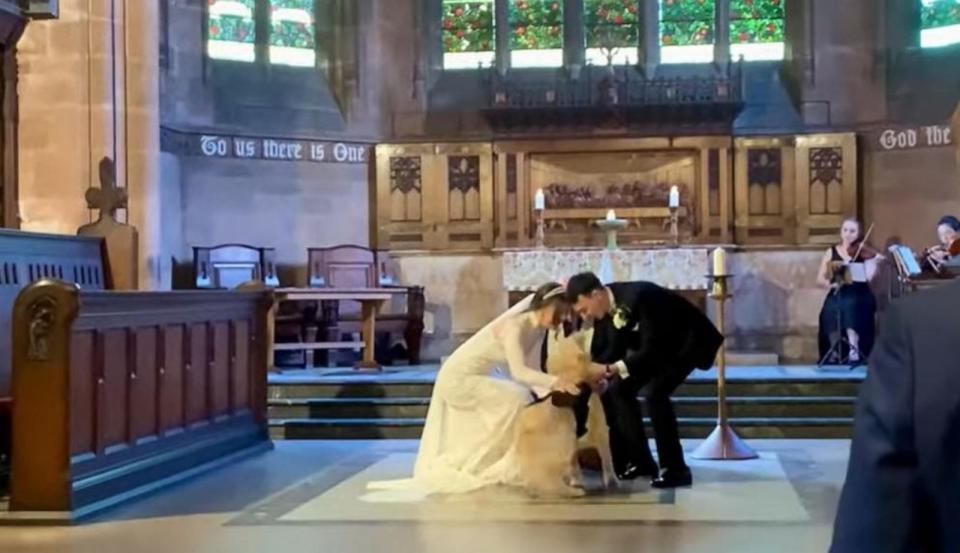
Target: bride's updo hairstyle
<point>551,292</point>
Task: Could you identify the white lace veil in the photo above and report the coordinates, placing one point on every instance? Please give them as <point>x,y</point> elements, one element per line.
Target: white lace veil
<point>497,325</point>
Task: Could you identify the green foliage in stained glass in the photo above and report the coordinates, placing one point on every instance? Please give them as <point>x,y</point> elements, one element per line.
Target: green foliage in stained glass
<point>468,26</point>
<point>291,23</point>
<point>227,21</point>
<point>939,13</point>
<point>611,23</point>
<point>536,24</point>
<point>753,21</point>
<point>686,22</point>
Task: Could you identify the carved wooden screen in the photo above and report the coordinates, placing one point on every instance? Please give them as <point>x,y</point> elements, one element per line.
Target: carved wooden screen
<point>764,200</point>
<point>826,185</point>
<point>715,208</point>
<point>432,196</point>
<point>405,219</point>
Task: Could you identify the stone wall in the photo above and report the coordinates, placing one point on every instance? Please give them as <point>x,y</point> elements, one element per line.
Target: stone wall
<point>775,306</point>
<point>88,89</point>
<point>286,205</point>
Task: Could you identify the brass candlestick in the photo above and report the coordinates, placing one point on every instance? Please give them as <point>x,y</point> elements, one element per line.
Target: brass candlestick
<point>723,443</point>
<point>541,234</point>
<point>675,225</point>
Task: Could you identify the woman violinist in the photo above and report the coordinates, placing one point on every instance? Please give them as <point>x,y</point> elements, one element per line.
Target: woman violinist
<point>948,232</point>
<point>849,304</point>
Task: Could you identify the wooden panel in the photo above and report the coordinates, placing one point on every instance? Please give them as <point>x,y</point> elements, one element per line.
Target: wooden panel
<point>70,258</point>
<point>219,375</point>
<point>111,392</point>
<point>406,219</point>
<point>143,383</point>
<point>195,381</point>
<point>171,373</point>
<point>106,371</point>
<point>826,193</point>
<point>764,205</point>
<point>82,386</point>
<point>241,333</point>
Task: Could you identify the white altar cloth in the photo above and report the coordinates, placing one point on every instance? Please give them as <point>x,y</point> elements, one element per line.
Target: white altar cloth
<point>682,268</point>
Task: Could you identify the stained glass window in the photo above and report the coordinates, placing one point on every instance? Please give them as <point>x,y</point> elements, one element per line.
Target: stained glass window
<point>756,29</point>
<point>231,30</point>
<point>939,23</point>
<point>292,33</point>
<point>468,34</point>
<point>686,31</point>
<point>536,33</point>
<point>612,28</point>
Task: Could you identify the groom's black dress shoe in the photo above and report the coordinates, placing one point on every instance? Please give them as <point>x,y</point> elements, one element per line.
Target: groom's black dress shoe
<point>632,472</point>
<point>673,478</point>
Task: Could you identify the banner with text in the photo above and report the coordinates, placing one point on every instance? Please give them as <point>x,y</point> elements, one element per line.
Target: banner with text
<point>909,138</point>
<point>273,149</point>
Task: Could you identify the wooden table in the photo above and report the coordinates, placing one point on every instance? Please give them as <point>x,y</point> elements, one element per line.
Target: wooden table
<point>370,300</point>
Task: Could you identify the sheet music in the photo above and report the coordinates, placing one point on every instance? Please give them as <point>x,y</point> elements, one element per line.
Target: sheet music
<point>906,259</point>
<point>858,272</point>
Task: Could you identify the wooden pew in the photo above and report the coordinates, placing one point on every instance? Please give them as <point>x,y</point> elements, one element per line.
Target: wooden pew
<point>24,258</point>
<point>131,390</point>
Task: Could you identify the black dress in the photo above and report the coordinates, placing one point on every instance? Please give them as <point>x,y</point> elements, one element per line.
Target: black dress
<point>856,307</point>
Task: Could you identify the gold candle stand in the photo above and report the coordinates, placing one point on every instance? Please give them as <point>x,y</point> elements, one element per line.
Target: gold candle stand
<point>723,443</point>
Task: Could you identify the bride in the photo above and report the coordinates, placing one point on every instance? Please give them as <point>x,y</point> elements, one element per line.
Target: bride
<point>468,437</point>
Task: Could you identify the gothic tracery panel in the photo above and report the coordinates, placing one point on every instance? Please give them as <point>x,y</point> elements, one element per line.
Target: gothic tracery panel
<point>406,188</point>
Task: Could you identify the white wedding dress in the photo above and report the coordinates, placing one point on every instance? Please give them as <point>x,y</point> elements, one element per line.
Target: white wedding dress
<point>470,431</point>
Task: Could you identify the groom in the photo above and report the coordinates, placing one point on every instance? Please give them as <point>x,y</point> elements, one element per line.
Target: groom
<point>647,338</point>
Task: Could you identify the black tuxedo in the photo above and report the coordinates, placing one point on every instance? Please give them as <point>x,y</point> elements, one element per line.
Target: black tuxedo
<point>662,338</point>
<point>902,492</point>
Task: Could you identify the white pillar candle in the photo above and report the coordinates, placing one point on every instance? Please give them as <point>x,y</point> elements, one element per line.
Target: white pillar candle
<point>539,201</point>
<point>674,196</point>
<point>719,262</point>
<point>611,216</point>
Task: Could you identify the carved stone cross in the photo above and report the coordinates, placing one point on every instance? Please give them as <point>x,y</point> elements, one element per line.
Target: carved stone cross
<point>108,198</point>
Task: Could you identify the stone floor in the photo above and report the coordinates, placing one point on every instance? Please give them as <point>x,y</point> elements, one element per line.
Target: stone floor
<point>311,496</point>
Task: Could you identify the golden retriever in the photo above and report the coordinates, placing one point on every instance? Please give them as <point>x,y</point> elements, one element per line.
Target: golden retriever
<point>547,446</point>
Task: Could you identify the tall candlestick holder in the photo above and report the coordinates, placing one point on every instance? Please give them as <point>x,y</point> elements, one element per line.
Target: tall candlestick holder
<point>723,443</point>
<point>611,227</point>
<point>540,239</point>
<point>674,222</point>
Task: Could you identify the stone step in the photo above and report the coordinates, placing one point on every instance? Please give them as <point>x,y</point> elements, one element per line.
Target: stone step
<point>686,406</point>
<point>752,359</point>
<point>690,427</point>
<point>774,387</point>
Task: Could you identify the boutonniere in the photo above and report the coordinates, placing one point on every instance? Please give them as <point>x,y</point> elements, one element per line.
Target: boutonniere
<point>620,316</point>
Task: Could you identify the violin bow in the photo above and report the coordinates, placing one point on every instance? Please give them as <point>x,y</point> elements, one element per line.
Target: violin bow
<point>862,242</point>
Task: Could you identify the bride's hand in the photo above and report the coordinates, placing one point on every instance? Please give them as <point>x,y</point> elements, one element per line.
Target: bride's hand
<point>565,386</point>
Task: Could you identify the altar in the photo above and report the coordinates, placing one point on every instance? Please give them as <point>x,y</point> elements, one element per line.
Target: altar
<point>676,268</point>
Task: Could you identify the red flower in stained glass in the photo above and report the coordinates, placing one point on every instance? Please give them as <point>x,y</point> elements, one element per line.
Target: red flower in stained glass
<point>214,30</point>
<point>447,24</point>
<point>618,19</point>
<point>744,36</point>
<point>458,11</point>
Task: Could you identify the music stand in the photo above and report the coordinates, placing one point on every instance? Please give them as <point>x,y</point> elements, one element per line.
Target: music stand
<point>836,347</point>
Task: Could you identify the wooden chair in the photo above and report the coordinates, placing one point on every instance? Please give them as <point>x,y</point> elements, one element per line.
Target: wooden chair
<point>350,266</point>
<point>230,265</point>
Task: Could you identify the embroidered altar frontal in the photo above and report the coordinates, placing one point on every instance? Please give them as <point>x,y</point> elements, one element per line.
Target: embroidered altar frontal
<point>681,268</point>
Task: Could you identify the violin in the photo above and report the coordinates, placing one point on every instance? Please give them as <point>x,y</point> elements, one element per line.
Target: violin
<point>859,248</point>
<point>936,255</point>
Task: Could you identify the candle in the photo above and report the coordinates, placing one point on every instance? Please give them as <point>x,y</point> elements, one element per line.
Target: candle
<point>674,197</point>
<point>539,201</point>
<point>719,262</point>
<point>611,216</point>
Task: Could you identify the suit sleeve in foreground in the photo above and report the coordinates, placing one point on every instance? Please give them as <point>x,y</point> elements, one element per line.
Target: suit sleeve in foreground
<point>878,505</point>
